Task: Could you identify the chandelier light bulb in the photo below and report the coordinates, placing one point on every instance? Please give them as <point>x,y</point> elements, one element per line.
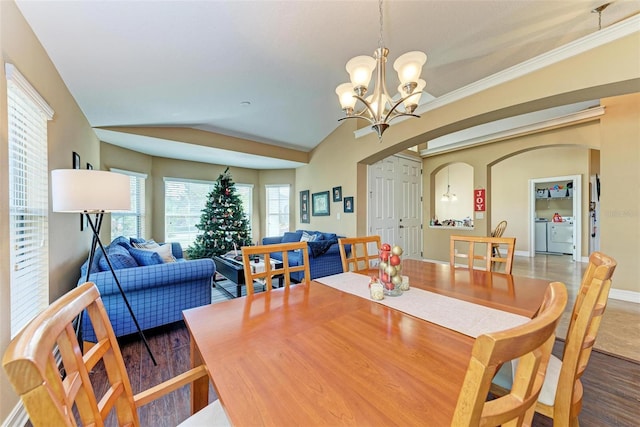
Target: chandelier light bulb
<point>360,69</point>
<point>409,67</point>
<point>345,95</point>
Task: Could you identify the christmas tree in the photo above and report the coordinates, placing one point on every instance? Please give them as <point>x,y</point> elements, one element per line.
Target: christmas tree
<point>223,223</point>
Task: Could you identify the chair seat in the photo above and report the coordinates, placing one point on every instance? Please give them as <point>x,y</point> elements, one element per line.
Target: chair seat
<point>211,415</point>
<point>504,379</point>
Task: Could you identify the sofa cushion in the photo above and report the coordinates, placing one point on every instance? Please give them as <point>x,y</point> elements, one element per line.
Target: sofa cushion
<point>145,244</point>
<point>164,251</point>
<point>120,258</point>
<point>122,241</point>
<point>145,256</point>
<point>309,236</point>
<point>291,236</point>
<point>320,247</point>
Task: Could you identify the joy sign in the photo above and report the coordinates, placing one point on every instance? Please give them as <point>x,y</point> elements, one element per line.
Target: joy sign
<point>479,200</point>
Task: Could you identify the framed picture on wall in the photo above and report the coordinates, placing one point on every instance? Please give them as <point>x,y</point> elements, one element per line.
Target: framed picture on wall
<point>320,204</point>
<point>348,204</point>
<point>89,166</point>
<point>304,207</point>
<point>337,194</point>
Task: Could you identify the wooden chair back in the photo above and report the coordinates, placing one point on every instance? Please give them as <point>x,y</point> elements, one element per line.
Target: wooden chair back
<point>586,316</point>
<point>360,258</point>
<point>61,394</point>
<point>473,248</point>
<point>267,270</point>
<point>499,230</point>
<point>530,343</point>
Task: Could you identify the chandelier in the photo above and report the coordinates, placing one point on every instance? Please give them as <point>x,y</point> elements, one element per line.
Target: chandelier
<point>379,108</point>
<point>448,196</point>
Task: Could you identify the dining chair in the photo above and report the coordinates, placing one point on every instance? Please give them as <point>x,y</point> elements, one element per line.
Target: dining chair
<point>498,232</point>
<point>473,248</point>
<point>561,396</point>
<point>359,259</point>
<point>266,271</point>
<point>531,343</point>
<point>60,393</point>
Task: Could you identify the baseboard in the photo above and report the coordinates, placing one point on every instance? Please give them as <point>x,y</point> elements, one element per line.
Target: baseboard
<point>17,418</point>
<point>622,295</point>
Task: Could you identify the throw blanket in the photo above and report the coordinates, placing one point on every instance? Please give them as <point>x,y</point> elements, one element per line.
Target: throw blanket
<point>319,247</point>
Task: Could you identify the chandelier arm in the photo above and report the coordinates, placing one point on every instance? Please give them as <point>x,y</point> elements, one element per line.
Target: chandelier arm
<point>357,116</point>
<point>402,115</point>
<point>367,107</point>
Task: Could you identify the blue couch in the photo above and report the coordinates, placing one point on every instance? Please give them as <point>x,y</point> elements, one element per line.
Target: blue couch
<point>324,253</point>
<point>157,291</point>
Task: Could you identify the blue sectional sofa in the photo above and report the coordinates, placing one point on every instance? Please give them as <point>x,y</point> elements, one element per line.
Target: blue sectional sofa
<point>324,253</point>
<point>157,290</point>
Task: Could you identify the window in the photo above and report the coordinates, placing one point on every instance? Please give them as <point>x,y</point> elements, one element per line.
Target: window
<point>245,191</point>
<point>131,223</point>
<point>28,199</point>
<point>277,209</point>
<point>184,201</point>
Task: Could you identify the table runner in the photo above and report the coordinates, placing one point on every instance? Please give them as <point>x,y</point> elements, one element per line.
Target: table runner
<point>461,316</point>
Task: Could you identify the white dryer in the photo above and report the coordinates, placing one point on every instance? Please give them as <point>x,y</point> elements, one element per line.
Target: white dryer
<point>560,237</point>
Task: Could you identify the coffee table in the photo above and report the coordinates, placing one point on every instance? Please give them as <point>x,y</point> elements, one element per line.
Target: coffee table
<point>233,270</point>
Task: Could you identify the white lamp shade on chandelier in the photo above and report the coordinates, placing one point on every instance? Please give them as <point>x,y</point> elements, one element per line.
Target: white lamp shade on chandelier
<point>380,108</point>
<point>89,191</point>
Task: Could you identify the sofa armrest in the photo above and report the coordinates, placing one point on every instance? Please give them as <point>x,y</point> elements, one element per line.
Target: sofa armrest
<point>271,240</point>
<point>137,278</point>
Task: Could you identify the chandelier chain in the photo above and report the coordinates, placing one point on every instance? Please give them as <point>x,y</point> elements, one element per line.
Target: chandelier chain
<point>380,39</point>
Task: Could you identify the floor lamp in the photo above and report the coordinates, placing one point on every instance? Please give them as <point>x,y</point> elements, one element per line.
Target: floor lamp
<point>87,192</point>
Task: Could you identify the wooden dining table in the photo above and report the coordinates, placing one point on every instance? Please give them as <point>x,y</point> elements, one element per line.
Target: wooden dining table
<point>314,355</point>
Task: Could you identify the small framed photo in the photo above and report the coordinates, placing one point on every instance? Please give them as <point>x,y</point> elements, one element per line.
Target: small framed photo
<point>89,166</point>
<point>337,194</point>
<point>76,160</point>
<point>348,204</point>
<point>320,204</point>
<point>304,207</point>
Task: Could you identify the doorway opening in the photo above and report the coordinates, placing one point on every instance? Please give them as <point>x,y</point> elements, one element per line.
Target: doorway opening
<point>559,198</point>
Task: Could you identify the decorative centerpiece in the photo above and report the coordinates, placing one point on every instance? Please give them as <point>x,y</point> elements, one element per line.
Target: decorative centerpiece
<point>390,267</point>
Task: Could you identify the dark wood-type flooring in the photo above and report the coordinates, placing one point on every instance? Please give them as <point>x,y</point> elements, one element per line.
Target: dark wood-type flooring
<point>611,384</point>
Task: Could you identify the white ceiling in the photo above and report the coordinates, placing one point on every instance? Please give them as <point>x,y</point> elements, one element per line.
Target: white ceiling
<point>194,63</point>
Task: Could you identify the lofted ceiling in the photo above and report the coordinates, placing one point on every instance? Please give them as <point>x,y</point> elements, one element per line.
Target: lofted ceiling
<point>266,70</point>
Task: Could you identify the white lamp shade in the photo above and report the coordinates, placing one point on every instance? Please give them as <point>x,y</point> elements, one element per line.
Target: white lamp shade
<point>360,69</point>
<point>417,93</point>
<point>345,95</point>
<point>409,66</point>
<point>85,190</point>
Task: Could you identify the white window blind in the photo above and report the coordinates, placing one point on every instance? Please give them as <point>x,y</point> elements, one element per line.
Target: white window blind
<point>184,201</point>
<point>277,209</point>
<point>131,223</point>
<point>245,191</point>
<point>28,199</point>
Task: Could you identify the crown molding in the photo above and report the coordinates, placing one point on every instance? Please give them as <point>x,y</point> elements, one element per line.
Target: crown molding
<point>579,116</point>
<point>584,44</point>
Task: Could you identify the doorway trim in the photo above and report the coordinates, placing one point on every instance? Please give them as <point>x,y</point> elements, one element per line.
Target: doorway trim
<point>577,212</point>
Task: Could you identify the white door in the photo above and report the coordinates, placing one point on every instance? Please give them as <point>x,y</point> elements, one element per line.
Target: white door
<point>395,203</point>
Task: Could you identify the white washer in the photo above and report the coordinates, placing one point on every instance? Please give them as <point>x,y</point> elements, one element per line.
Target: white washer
<point>560,237</point>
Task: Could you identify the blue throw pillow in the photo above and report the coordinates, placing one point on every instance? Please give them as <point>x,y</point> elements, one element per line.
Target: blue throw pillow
<point>120,258</point>
<point>290,237</point>
<point>145,257</point>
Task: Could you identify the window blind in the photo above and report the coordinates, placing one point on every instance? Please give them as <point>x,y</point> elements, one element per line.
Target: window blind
<point>277,209</point>
<point>28,199</point>
<point>131,223</point>
<point>184,201</point>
